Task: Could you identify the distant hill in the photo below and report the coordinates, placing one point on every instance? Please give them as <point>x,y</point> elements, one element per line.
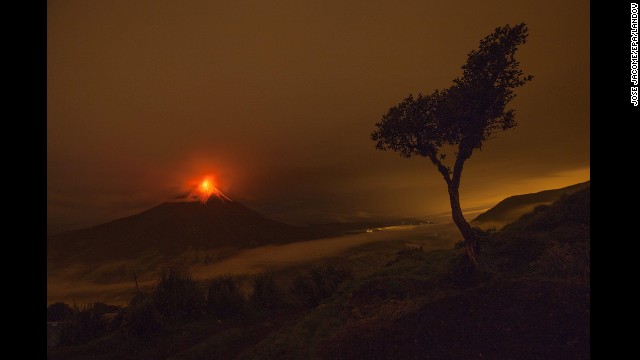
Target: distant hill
<point>513,207</point>
<point>169,229</point>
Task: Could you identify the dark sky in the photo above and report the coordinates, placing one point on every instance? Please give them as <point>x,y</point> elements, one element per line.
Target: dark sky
<point>277,99</point>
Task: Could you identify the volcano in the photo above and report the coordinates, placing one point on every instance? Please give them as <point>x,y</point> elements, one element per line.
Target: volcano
<point>170,228</point>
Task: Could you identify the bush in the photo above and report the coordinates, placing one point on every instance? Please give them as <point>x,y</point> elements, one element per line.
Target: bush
<point>481,236</point>
<point>86,323</point>
<point>142,318</point>
<point>462,272</point>
<point>59,312</point>
<point>317,284</point>
<point>177,297</point>
<point>566,260</point>
<point>266,294</point>
<point>407,254</point>
<point>224,298</point>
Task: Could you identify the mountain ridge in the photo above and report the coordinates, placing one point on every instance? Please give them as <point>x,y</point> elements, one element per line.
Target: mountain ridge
<point>511,208</point>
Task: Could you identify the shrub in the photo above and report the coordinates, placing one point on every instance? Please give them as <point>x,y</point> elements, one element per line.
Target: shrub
<point>567,260</point>
<point>407,254</point>
<point>266,294</point>
<point>317,284</point>
<point>177,297</point>
<point>86,323</point>
<point>142,318</point>
<point>462,272</point>
<point>59,312</point>
<point>481,235</point>
<point>224,298</point>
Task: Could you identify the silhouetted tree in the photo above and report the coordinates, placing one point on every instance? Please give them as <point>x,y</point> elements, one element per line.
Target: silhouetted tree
<point>460,118</point>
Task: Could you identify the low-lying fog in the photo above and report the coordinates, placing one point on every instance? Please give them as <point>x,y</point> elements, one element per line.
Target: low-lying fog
<point>262,258</point>
<point>252,261</point>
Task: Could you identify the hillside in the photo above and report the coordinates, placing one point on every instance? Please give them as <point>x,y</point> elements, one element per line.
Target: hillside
<point>529,299</point>
<point>511,208</point>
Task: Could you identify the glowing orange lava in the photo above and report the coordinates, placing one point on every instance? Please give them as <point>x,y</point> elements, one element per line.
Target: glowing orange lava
<point>206,189</point>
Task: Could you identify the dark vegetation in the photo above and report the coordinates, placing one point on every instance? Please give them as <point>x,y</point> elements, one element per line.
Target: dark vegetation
<point>224,298</point>
<point>529,298</point>
<point>83,323</point>
<point>317,284</point>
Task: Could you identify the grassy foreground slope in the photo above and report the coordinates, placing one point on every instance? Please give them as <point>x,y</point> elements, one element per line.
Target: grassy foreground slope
<point>530,299</point>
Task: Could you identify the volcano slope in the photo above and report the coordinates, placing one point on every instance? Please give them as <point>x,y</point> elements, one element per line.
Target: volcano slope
<point>136,248</point>
<point>170,228</point>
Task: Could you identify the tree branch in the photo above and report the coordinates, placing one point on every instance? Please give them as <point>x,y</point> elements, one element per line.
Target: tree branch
<point>445,171</point>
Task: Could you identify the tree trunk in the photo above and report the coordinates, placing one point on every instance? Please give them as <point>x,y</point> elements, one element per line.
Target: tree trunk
<point>469,235</point>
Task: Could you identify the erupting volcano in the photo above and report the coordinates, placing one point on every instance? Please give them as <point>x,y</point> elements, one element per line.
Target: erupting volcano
<point>206,189</point>
<point>205,218</point>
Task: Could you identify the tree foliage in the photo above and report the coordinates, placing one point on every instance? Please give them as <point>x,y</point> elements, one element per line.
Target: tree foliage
<point>467,113</point>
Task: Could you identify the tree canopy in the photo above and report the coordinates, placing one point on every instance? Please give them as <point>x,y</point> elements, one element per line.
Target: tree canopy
<point>467,113</point>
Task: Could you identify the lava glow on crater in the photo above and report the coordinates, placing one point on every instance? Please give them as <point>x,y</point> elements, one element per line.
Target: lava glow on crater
<point>207,188</point>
